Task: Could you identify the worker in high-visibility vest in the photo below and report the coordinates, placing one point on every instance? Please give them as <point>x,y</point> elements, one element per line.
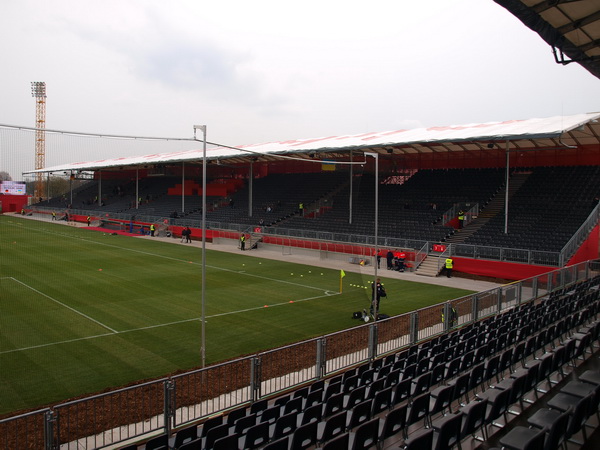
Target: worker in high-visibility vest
<point>461,218</point>
<point>449,266</point>
<point>152,230</point>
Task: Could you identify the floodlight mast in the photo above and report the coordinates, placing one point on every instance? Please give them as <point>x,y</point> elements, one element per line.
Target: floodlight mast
<point>203,231</point>
<point>38,91</point>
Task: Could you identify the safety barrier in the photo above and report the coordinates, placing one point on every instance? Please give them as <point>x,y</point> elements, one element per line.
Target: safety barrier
<point>526,256</point>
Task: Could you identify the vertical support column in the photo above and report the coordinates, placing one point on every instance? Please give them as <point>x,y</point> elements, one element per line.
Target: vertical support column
<point>475,308</point>
<point>446,317</point>
<point>250,188</point>
<point>534,288</point>
<point>499,300</point>
<point>255,379</point>
<point>169,407</point>
<point>373,338</point>
<point>137,188</point>
<point>587,270</point>
<point>71,176</point>
<point>49,423</point>
<point>414,327</point>
<point>506,191</point>
<point>321,363</point>
<point>183,186</point>
<point>351,190</point>
<point>99,187</point>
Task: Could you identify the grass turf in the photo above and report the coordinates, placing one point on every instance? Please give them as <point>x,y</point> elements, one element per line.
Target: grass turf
<point>82,311</point>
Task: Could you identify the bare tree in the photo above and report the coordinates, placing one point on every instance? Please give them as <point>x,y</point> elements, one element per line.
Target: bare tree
<point>5,176</point>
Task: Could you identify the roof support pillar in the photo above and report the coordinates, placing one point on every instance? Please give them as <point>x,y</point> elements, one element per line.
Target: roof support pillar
<point>250,186</point>
<point>506,190</point>
<point>351,188</point>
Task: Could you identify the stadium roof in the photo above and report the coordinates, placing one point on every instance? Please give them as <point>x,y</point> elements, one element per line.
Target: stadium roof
<point>560,132</point>
<point>570,27</point>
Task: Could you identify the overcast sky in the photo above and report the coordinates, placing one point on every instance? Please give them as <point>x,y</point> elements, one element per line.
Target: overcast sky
<point>274,70</point>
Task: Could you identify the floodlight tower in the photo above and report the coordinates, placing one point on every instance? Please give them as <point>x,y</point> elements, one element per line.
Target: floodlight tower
<point>38,90</point>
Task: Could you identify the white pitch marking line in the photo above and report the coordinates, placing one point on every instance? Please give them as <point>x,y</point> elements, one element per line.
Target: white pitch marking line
<point>49,344</point>
<point>64,305</point>
<point>33,347</point>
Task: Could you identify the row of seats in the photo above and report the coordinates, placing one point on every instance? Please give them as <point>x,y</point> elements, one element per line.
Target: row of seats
<point>499,359</point>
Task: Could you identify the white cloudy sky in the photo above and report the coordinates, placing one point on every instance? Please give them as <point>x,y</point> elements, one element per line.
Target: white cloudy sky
<point>273,70</point>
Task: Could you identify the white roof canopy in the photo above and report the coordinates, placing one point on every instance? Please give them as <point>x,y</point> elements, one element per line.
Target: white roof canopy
<point>552,132</point>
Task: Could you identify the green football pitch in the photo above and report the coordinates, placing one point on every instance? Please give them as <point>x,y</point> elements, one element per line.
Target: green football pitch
<point>82,311</point>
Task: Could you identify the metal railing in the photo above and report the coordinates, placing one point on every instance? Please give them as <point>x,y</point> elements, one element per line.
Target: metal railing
<point>470,213</point>
<point>580,236</point>
<point>421,255</point>
<point>160,406</point>
<point>536,257</point>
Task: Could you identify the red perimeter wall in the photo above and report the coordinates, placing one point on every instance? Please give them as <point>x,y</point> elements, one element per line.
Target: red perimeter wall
<point>13,203</point>
<point>589,249</point>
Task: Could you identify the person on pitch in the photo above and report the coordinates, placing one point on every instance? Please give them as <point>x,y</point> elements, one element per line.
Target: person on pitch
<point>378,292</point>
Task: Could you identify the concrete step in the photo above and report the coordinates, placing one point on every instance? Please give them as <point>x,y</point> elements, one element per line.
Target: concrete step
<point>429,267</point>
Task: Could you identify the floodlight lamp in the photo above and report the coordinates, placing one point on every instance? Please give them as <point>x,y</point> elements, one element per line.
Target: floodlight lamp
<point>38,89</point>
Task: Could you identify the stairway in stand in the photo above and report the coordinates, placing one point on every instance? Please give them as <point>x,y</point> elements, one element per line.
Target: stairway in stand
<point>494,207</point>
<point>431,266</point>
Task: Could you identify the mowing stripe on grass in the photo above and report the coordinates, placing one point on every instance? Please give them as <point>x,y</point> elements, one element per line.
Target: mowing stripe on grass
<point>63,305</point>
<point>181,260</point>
<point>49,344</point>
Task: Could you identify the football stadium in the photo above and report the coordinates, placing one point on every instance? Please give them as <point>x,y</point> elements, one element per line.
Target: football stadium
<point>429,288</point>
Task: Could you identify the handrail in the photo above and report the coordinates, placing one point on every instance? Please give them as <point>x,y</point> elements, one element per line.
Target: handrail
<point>579,236</point>
<point>446,253</point>
<point>421,255</point>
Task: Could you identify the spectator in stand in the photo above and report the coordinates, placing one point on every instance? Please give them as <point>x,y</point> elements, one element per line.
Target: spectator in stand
<point>461,219</point>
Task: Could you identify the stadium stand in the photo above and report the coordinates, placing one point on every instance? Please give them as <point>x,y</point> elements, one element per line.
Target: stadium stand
<point>544,212</point>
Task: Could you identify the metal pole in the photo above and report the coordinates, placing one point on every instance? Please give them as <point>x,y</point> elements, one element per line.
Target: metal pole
<point>374,295</point>
<point>182,186</point>
<point>99,187</point>
<point>137,188</point>
<point>506,193</point>
<point>351,189</point>
<point>250,187</point>
<point>204,247</point>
